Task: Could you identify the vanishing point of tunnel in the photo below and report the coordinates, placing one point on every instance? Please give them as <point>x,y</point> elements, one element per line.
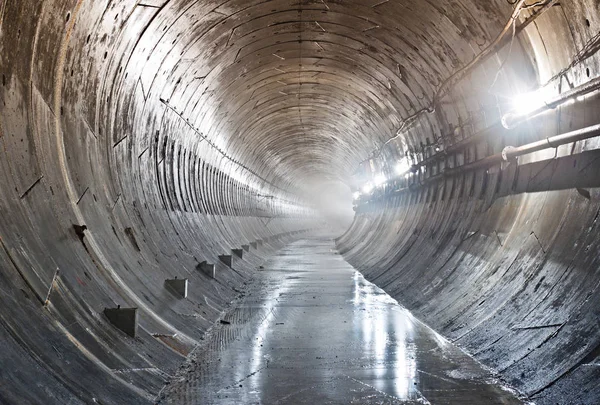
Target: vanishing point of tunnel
<point>300,202</point>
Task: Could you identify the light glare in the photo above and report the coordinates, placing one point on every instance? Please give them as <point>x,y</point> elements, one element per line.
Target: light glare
<point>529,102</point>
<point>367,188</point>
<point>402,167</point>
<point>379,180</point>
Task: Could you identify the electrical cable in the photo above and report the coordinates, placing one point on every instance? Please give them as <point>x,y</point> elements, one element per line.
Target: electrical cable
<point>452,80</point>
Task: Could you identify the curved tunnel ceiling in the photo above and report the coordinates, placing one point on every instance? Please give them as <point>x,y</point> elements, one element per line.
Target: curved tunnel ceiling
<point>146,139</point>
<point>298,90</point>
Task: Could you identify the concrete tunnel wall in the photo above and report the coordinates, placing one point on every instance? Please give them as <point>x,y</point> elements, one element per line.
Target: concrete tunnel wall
<point>177,130</point>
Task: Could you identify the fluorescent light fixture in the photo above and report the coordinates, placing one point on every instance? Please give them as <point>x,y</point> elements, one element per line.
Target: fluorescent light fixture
<point>379,180</point>
<point>367,188</point>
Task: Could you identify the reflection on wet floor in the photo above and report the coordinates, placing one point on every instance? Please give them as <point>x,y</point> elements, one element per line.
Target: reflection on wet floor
<point>312,330</point>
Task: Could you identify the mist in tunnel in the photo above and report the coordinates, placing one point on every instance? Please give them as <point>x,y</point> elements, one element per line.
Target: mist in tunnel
<point>333,202</point>
<point>451,146</point>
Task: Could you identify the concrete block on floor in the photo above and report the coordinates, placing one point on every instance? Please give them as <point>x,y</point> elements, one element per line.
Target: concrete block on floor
<point>207,268</point>
<point>246,247</point>
<point>227,259</point>
<point>178,286</point>
<point>125,319</point>
<point>238,252</point>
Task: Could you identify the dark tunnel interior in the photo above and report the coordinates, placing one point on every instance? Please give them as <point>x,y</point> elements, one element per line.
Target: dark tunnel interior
<point>451,146</point>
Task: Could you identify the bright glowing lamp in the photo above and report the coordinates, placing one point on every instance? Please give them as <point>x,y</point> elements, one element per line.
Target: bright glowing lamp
<point>379,180</point>
<point>529,102</point>
<point>402,167</point>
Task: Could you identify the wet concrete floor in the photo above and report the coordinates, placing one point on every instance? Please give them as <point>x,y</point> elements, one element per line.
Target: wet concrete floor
<point>311,330</point>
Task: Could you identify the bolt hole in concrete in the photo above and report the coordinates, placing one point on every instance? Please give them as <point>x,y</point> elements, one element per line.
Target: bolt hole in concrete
<point>312,330</point>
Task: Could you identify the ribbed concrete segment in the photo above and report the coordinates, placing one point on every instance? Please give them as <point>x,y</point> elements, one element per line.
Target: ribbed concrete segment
<point>147,141</point>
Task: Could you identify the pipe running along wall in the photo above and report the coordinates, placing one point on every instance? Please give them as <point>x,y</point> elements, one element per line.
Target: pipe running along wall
<point>144,140</point>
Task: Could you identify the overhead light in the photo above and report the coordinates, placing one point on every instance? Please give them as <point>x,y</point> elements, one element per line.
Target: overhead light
<point>379,180</point>
<point>402,167</point>
<point>367,188</point>
<point>529,102</point>
<point>356,195</point>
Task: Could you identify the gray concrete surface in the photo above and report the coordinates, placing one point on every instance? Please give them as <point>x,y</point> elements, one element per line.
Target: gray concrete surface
<point>311,330</point>
<point>141,139</point>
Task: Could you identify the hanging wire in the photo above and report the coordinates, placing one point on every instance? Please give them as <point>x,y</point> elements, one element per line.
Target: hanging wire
<point>512,41</point>
<point>457,76</point>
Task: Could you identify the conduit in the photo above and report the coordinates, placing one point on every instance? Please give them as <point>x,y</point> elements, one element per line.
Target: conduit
<point>514,119</point>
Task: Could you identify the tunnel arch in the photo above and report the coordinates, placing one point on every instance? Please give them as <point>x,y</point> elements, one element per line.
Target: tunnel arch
<point>144,140</point>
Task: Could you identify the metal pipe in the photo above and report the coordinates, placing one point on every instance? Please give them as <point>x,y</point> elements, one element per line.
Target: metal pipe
<point>512,119</point>
<point>511,152</point>
<point>484,56</point>
<point>483,134</point>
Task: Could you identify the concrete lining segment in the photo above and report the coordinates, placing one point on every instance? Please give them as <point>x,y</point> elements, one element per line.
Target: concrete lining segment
<point>175,130</point>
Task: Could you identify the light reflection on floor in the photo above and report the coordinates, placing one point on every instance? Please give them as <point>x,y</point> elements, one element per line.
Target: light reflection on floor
<point>387,335</point>
<point>312,330</point>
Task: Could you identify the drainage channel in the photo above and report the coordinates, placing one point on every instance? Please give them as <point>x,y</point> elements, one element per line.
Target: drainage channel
<point>310,329</point>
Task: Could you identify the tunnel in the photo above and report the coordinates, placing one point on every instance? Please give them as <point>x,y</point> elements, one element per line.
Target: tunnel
<point>158,155</point>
